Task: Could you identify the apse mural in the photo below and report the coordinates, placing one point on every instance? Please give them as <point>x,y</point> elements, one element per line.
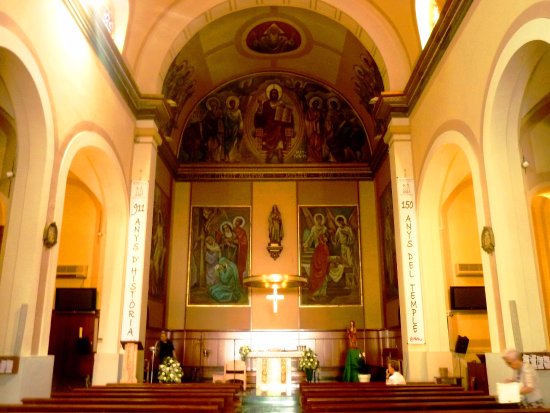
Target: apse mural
<point>274,119</point>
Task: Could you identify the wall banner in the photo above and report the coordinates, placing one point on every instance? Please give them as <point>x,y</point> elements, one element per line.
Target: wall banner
<point>133,286</point>
<point>409,256</point>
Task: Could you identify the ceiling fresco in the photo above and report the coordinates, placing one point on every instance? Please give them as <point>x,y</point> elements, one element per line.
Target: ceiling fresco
<point>274,118</point>
<point>324,78</point>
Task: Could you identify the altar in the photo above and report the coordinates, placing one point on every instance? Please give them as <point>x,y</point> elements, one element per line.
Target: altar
<point>274,371</point>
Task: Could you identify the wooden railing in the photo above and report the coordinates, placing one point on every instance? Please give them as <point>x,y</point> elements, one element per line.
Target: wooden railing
<point>204,352</point>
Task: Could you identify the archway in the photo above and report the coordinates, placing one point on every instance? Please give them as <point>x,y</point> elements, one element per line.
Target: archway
<point>91,160</point>
<point>516,90</point>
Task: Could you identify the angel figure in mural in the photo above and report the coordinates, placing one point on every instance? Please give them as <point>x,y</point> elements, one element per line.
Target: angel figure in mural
<point>318,227</point>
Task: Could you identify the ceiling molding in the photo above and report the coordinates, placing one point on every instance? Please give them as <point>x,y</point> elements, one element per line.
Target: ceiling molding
<point>277,172</point>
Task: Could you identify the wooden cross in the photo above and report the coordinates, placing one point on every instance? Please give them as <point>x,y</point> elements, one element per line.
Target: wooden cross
<point>275,297</point>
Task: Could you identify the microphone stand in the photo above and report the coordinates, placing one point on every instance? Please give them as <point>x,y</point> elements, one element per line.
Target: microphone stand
<point>153,351</point>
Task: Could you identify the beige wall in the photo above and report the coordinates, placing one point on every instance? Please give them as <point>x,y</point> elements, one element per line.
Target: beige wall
<point>288,196</point>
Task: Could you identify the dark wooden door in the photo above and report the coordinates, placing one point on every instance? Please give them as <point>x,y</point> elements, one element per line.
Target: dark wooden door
<point>72,343</point>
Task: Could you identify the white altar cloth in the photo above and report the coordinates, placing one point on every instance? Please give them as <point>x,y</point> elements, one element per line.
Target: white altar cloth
<point>274,371</point>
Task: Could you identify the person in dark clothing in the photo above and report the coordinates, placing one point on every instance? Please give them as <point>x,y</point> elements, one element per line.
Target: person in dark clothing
<point>164,347</point>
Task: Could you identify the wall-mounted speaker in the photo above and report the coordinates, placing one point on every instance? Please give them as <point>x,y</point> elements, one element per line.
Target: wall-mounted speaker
<point>461,346</point>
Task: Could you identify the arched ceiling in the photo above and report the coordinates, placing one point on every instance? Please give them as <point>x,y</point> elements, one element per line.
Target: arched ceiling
<point>325,48</point>
<point>354,50</point>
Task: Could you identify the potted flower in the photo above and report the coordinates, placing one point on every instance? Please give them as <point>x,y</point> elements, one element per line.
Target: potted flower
<point>308,363</point>
<point>170,371</point>
<point>243,352</point>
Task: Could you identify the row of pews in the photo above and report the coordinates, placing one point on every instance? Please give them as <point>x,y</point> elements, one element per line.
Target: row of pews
<point>142,397</point>
<point>339,397</point>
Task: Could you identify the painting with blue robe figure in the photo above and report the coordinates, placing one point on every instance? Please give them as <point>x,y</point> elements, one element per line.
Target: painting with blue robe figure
<point>219,255</point>
<point>329,255</point>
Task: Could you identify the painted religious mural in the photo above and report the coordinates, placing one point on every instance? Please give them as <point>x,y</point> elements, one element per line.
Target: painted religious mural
<point>329,255</point>
<point>273,119</point>
<point>159,245</point>
<point>219,256</point>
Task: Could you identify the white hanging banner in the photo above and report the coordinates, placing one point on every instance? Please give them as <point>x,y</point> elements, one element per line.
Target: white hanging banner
<point>133,287</point>
<point>409,256</point>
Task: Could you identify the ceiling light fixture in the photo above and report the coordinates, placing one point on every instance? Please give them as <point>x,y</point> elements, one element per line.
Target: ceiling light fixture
<point>274,282</point>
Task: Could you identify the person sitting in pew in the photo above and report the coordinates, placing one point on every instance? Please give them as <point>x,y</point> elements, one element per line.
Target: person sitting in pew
<point>393,376</point>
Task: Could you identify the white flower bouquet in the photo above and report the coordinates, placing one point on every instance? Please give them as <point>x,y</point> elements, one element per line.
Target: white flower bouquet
<point>243,351</point>
<point>170,371</point>
<point>309,360</point>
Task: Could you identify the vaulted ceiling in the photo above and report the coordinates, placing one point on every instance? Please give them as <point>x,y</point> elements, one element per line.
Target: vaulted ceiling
<point>187,51</point>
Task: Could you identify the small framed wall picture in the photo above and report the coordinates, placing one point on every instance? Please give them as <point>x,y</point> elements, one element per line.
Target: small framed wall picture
<point>50,235</point>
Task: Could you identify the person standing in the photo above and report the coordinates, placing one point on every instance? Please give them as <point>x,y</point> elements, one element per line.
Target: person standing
<point>524,373</point>
<point>165,347</point>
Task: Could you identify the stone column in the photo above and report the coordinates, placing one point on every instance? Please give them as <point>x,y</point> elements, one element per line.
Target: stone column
<point>136,287</point>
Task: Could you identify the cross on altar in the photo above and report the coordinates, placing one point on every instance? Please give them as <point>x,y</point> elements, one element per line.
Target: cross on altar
<point>275,297</point>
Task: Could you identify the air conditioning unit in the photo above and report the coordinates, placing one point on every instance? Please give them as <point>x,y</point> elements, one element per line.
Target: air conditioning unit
<point>468,270</point>
<point>72,271</point>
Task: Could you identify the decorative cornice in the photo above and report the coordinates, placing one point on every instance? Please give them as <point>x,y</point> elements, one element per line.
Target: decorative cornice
<point>278,173</point>
<point>142,106</point>
<point>401,104</point>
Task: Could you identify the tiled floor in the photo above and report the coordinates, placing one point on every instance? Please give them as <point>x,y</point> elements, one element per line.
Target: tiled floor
<point>252,403</point>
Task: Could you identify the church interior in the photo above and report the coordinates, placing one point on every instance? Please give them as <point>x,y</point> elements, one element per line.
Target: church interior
<point>258,175</point>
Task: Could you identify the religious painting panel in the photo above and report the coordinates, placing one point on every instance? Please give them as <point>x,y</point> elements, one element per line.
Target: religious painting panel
<point>159,244</point>
<point>158,267</point>
<point>219,256</point>
<point>275,118</point>
<point>330,259</point>
<point>388,246</point>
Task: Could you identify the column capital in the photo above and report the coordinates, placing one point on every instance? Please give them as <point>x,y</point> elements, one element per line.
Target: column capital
<point>398,129</point>
<point>146,131</point>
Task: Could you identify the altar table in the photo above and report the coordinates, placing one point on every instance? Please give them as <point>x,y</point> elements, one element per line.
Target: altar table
<point>274,371</point>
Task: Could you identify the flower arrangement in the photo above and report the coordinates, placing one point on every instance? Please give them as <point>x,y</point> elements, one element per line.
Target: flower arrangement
<point>170,371</point>
<point>309,360</point>
<point>243,351</point>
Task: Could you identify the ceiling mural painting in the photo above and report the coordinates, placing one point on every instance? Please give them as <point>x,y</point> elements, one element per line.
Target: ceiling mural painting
<point>273,37</point>
<point>274,118</point>
<point>274,91</point>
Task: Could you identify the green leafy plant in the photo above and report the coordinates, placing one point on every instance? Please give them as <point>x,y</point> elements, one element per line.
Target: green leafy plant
<point>309,360</point>
<point>243,351</point>
<point>170,371</point>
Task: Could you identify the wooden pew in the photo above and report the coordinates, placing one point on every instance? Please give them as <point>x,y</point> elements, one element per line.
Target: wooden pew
<point>150,401</point>
<point>106,408</point>
<point>138,398</point>
<point>230,401</point>
<point>409,406</point>
<point>312,403</point>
